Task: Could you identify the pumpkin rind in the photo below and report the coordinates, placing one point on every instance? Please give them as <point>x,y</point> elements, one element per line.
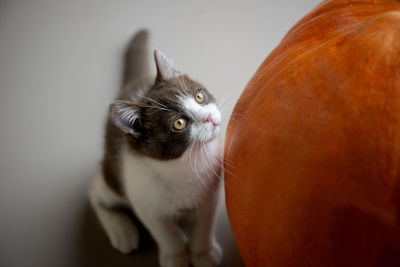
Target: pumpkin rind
<point>313,154</point>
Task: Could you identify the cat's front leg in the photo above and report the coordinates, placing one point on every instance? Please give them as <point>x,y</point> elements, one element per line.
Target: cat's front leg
<point>170,240</point>
<point>204,248</point>
<point>121,230</point>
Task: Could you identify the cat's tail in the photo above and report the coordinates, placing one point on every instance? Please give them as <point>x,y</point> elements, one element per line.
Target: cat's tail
<point>136,63</point>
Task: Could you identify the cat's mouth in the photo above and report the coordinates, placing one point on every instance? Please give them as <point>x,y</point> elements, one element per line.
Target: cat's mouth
<point>211,120</point>
<point>214,130</point>
<point>215,126</point>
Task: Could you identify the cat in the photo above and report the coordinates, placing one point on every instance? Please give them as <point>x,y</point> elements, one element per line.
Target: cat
<point>161,160</point>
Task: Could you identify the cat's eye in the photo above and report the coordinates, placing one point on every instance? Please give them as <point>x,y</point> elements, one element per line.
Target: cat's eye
<point>180,124</point>
<point>200,97</point>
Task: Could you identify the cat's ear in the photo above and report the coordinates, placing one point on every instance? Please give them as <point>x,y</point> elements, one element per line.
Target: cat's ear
<point>165,69</point>
<point>125,115</point>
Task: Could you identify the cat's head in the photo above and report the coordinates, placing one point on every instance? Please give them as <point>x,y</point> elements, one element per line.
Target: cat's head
<point>172,115</point>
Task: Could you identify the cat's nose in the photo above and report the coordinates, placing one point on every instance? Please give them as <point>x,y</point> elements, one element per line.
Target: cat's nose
<point>210,119</point>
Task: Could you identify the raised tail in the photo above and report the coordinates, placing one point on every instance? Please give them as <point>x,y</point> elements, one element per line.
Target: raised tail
<point>136,62</point>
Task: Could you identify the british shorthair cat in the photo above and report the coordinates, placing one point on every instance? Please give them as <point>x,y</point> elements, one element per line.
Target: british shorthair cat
<point>162,160</point>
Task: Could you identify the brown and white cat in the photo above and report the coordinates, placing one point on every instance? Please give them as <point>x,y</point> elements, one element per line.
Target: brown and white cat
<point>161,160</point>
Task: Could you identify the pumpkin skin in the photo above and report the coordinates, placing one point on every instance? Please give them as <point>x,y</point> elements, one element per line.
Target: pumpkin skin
<point>312,152</point>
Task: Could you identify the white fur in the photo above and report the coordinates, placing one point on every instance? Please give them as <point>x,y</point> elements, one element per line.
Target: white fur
<point>157,191</point>
<point>173,184</point>
<point>200,130</point>
<point>123,234</point>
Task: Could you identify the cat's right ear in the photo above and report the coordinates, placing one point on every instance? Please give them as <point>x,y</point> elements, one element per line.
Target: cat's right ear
<point>165,69</point>
<point>125,115</point>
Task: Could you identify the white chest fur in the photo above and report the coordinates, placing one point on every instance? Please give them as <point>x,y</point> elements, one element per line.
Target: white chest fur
<point>171,185</point>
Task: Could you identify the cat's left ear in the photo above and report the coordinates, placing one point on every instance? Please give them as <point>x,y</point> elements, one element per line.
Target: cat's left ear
<point>125,115</point>
<point>165,69</point>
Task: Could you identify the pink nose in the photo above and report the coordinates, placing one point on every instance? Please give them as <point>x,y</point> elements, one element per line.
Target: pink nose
<point>209,119</point>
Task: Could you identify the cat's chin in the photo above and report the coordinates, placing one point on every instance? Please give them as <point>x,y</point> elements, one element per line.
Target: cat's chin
<point>206,140</point>
<point>214,136</point>
<point>215,131</point>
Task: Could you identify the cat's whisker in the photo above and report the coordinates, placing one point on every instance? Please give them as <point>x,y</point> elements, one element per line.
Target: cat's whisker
<point>225,110</point>
<point>236,117</point>
<point>180,79</point>
<point>219,165</point>
<point>202,160</point>
<point>190,158</point>
<point>226,114</point>
<point>210,157</point>
<point>196,171</point>
<point>225,104</point>
<point>222,171</point>
<point>228,163</point>
<point>228,171</point>
<point>156,102</point>
<point>230,166</point>
<point>207,156</point>
<point>184,85</point>
<point>236,114</point>
<point>225,160</point>
<point>220,161</point>
<point>156,108</point>
<point>177,77</point>
<point>225,101</point>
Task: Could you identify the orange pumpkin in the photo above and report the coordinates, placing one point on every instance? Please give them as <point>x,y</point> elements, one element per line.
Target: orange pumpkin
<point>312,151</point>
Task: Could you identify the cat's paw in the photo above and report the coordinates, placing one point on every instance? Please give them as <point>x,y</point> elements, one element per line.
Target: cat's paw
<point>174,260</point>
<point>123,235</point>
<point>209,258</point>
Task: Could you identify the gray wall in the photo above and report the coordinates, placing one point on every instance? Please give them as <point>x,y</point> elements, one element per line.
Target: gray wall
<point>60,64</point>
